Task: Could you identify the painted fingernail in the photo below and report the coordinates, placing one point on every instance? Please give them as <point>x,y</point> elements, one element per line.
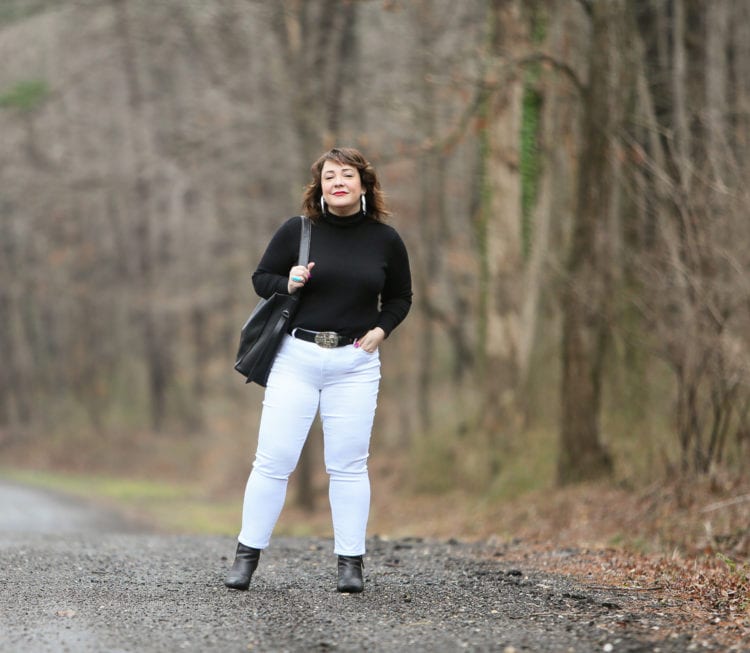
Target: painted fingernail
<point>356,344</point>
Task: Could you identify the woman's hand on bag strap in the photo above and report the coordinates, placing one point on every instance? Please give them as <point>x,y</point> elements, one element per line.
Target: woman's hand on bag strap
<point>299,275</point>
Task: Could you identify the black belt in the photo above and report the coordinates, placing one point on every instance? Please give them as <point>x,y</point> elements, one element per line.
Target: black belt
<point>325,339</point>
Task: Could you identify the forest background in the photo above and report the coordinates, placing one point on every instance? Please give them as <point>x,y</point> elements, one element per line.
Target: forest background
<point>569,176</point>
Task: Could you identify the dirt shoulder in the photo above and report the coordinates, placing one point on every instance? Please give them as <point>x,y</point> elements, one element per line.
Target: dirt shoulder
<point>700,599</point>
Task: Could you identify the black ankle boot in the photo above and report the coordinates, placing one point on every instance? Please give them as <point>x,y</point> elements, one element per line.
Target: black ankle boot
<point>350,574</point>
<point>245,562</point>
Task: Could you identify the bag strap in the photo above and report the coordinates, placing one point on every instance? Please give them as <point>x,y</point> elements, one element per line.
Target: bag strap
<point>304,241</point>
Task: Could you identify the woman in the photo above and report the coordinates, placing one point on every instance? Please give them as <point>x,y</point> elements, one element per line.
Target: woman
<point>357,289</point>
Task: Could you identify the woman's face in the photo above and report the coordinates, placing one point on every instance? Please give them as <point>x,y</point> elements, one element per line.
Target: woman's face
<point>342,187</point>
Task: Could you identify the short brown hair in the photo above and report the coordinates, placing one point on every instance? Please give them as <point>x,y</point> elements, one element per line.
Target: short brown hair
<point>374,196</point>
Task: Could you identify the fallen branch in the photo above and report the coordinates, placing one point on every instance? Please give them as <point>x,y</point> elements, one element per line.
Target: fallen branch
<point>723,504</point>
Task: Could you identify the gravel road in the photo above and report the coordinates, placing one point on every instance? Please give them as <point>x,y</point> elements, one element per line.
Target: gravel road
<point>77,584</point>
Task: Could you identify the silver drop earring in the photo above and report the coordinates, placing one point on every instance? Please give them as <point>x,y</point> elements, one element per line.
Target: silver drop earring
<point>364,204</point>
<point>322,205</point>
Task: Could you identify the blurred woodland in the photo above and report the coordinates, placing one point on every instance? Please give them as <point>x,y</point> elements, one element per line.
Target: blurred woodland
<point>570,178</point>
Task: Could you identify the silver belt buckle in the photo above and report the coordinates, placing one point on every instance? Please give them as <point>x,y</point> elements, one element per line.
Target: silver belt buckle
<point>327,339</point>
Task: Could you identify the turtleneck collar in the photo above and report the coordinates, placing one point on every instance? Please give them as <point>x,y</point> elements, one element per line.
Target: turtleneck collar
<point>344,220</point>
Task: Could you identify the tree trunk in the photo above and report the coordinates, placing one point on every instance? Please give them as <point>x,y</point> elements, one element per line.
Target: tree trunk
<point>501,258</point>
<point>554,198</point>
<point>431,212</point>
<point>588,293</point>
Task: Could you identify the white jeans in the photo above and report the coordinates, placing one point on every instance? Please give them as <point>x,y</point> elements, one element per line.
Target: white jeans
<point>342,383</point>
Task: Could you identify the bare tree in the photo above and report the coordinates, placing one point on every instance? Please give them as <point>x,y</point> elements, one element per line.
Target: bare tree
<point>587,298</point>
<point>696,304</point>
<point>155,331</point>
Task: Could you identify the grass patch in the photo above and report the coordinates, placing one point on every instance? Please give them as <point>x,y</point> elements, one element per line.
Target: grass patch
<point>162,506</point>
<point>168,507</point>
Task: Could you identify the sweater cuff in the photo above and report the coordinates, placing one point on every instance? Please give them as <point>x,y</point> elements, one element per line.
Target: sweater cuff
<point>282,286</point>
<point>386,324</point>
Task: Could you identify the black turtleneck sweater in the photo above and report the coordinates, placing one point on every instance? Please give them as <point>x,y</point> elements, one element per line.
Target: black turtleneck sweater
<point>358,261</point>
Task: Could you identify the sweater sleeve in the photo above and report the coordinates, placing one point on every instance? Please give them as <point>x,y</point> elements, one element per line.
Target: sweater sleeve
<point>272,274</point>
<point>395,299</point>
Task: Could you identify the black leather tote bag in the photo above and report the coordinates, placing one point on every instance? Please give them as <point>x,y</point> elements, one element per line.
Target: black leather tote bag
<point>261,335</point>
